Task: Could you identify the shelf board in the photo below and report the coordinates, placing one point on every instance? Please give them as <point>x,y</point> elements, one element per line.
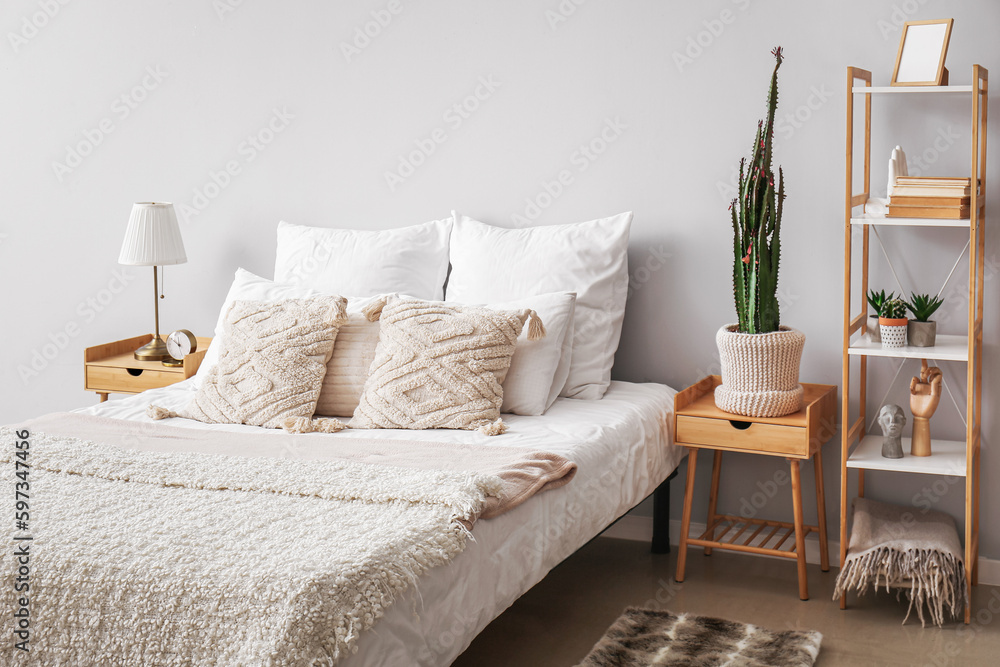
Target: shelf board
<point>878,90</point>
<point>867,219</point>
<point>948,348</point>
<point>947,458</point>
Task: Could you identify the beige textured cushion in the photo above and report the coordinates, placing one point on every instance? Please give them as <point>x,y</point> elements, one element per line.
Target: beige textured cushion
<point>440,365</point>
<point>347,369</point>
<point>272,362</point>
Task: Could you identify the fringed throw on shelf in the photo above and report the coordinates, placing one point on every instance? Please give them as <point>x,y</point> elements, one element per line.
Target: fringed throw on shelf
<point>900,548</point>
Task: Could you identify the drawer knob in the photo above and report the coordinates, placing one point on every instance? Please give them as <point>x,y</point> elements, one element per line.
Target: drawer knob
<point>740,425</point>
<point>135,372</point>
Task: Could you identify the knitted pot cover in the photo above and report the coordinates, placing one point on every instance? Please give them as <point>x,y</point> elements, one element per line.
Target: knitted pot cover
<point>760,372</point>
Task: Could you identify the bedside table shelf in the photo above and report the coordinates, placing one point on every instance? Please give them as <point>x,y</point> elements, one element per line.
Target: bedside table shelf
<point>111,368</point>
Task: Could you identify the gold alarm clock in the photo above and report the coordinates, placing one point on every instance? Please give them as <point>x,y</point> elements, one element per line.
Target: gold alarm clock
<point>180,343</point>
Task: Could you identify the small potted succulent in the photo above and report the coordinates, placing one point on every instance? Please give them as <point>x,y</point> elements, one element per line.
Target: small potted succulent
<point>875,300</point>
<point>921,330</point>
<point>892,323</point>
<point>759,356</point>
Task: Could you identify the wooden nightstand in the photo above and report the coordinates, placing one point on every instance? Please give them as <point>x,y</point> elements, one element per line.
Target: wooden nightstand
<point>698,424</point>
<point>111,368</point>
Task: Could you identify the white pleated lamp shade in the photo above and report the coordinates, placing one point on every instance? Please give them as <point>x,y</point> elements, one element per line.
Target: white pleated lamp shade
<point>153,237</point>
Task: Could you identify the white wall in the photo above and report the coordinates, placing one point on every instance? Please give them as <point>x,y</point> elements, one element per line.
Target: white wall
<point>343,123</point>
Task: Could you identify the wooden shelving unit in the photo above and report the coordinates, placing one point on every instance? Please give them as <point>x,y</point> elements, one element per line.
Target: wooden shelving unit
<point>860,451</point>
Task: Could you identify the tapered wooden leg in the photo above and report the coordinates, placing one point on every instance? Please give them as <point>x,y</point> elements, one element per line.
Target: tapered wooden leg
<point>713,498</point>
<point>800,540</point>
<point>686,515</point>
<point>824,548</point>
<point>104,397</point>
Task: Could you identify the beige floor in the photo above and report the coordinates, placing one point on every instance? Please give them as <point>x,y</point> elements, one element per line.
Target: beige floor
<point>557,622</point>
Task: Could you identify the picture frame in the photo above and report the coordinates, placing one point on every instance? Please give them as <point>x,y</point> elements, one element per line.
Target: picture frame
<point>922,50</point>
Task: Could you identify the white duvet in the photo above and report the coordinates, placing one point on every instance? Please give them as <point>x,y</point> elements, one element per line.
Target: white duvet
<point>624,449</point>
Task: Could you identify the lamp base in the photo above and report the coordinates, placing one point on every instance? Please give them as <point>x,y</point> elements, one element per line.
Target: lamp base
<point>154,350</point>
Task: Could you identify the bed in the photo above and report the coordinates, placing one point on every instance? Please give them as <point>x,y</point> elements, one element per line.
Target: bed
<point>425,378</point>
<point>624,449</point>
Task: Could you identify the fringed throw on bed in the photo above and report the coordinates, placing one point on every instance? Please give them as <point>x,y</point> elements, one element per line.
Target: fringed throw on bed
<point>898,547</point>
<point>160,558</point>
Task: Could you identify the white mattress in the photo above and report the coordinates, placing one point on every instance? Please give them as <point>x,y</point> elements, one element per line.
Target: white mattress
<point>624,448</point>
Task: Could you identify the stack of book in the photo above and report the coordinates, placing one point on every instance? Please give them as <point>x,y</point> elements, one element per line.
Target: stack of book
<point>931,197</point>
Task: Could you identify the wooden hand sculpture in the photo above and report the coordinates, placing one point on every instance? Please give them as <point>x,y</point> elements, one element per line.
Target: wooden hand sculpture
<point>925,394</point>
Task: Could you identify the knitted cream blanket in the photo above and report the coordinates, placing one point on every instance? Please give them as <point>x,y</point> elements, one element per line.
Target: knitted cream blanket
<point>151,558</point>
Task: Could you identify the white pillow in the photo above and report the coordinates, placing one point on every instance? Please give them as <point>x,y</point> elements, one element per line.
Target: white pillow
<point>491,264</point>
<point>531,384</point>
<point>412,260</point>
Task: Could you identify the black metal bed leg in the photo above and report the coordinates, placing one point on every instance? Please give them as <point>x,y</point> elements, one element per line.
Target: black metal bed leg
<point>661,517</point>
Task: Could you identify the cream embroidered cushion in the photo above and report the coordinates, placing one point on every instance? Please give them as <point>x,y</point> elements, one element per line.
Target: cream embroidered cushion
<point>441,365</point>
<point>271,363</point>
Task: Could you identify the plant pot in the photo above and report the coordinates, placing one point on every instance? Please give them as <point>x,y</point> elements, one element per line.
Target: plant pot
<point>921,334</point>
<point>893,331</point>
<point>760,372</point>
<point>873,332</point>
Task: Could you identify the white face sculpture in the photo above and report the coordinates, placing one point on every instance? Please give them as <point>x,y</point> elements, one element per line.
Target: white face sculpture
<point>892,419</point>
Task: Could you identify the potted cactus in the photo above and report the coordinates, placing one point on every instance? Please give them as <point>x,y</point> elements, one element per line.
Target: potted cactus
<point>759,357</point>
<point>875,300</point>
<point>921,331</point>
<point>892,323</point>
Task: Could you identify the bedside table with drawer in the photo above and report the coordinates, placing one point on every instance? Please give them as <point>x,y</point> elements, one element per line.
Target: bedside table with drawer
<point>111,368</point>
<point>699,424</point>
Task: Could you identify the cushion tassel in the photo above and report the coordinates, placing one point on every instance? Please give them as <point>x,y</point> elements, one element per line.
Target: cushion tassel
<point>493,428</point>
<point>373,311</point>
<point>339,311</point>
<point>307,425</point>
<point>157,413</point>
<point>536,329</point>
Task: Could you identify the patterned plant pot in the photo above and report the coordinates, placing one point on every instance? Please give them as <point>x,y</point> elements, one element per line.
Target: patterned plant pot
<point>760,372</point>
<point>893,331</point>
<point>921,334</point>
<point>873,332</point>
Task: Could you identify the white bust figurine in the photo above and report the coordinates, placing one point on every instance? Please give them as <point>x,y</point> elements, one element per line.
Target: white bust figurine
<point>892,419</point>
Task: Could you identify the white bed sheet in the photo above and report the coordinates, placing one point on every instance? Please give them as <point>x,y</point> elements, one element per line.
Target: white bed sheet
<point>623,445</point>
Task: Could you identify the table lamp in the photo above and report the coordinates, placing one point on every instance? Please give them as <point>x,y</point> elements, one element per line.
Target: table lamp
<point>153,238</point>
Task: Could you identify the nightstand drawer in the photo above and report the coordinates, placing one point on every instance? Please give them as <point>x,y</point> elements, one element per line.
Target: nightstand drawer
<point>128,380</point>
<point>742,435</point>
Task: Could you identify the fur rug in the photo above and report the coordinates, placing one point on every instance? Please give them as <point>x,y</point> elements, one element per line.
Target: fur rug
<point>642,637</point>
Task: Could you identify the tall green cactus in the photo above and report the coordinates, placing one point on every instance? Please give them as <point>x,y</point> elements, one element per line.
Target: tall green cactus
<point>756,216</point>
